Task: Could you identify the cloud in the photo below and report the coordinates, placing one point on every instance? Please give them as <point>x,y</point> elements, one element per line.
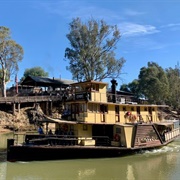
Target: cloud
<point>172,26</point>
<point>130,12</point>
<point>69,10</point>
<point>133,29</point>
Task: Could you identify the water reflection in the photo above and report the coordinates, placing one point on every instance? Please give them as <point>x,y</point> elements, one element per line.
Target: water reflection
<point>157,164</point>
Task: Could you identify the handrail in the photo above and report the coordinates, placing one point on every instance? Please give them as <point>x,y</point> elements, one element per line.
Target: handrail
<point>18,99</point>
<point>172,134</point>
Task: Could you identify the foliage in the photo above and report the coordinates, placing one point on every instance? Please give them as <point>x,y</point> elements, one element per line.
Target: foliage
<point>173,76</point>
<point>10,54</point>
<point>35,71</point>
<point>153,83</point>
<point>91,56</point>
<point>125,87</point>
<point>134,88</point>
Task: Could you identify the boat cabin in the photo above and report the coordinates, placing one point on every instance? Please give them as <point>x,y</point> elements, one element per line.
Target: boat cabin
<point>98,116</point>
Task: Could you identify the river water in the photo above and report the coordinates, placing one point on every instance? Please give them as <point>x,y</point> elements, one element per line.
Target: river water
<point>161,164</point>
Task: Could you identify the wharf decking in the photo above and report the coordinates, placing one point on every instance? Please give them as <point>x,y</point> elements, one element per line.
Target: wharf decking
<point>25,99</point>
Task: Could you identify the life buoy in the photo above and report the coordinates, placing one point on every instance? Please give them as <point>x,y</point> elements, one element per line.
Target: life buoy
<point>65,127</point>
<point>116,137</point>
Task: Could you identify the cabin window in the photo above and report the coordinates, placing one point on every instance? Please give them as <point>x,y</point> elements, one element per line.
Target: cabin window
<point>95,87</point>
<point>117,109</point>
<point>95,109</point>
<point>73,108</point>
<point>103,108</point>
<point>82,108</point>
<point>90,107</point>
<point>138,110</point>
<point>118,130</point>
<point>85,108</point>
<point>85,128</point>
<point>98,108</point>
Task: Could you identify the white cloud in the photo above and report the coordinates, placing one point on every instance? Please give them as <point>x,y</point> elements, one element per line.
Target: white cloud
<point>130,12</point>
<point>69,10</point>
<point>171,25</point>
<point>133,29</point>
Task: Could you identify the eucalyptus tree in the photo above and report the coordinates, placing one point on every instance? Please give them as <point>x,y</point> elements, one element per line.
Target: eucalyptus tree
<point>34,71</point>
<point>91,55</point>
<point>173,76</point>
<point>153,83</point>
<point>132,87</point>
<point>10,54</point>
<point>125,87</point>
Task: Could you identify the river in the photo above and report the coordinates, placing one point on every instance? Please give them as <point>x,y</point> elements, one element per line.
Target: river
<point>161,164</point>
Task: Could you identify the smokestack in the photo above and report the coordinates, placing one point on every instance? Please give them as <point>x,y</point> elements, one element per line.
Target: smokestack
<point>113,89</point>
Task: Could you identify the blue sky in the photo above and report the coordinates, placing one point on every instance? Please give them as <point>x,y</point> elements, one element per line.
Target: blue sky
<point>150,31</point>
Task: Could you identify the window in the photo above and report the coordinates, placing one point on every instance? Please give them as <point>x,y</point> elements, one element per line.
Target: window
<point>118,130</point>
<point>90,107</point>
<point>117,109</point>
<point>95,87</point>
<point>103,108</point>
<point>85,127</point>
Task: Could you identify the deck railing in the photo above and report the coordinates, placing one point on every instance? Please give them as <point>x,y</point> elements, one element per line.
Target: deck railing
<point>17,99</point>
<point>172,134</point>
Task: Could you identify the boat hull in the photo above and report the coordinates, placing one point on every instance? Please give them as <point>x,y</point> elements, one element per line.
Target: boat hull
<point>41,153</point>
<point>30,153</point>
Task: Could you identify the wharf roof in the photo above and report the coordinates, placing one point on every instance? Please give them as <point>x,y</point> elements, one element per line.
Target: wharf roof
<point>46,82</point>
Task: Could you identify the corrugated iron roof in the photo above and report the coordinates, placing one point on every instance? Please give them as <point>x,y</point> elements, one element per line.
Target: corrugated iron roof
<point>45,81</point>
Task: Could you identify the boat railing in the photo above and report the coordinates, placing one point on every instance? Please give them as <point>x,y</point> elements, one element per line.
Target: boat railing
<point>48,139</point>
<point>51,140</point>
<point>18,99</point>
<point>172,134</point>
<point>102,140</point>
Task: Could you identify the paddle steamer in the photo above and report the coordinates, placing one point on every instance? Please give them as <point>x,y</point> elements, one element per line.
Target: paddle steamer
<point>97,122</point>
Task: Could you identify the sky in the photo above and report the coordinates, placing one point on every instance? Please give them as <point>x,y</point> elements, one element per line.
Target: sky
<point>150,32</point>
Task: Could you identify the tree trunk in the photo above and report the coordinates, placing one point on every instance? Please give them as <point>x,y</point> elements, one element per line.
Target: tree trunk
<point>4,88</point>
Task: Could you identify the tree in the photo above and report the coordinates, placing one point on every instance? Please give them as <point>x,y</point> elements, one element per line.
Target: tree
<point>35,71</point>
<point>173,76</point>
<point>10,54</point>
<point>91,56</point>
<point>125,87</point>
<point>153,83</point>
<point>132,87</point>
